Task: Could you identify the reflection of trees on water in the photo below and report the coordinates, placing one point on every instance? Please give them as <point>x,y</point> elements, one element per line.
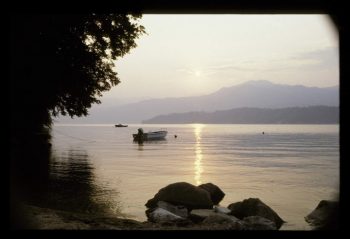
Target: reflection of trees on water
<point>73,186</point>
<point>29,174</point>
<point>64,182</point>
<point>29,169</point>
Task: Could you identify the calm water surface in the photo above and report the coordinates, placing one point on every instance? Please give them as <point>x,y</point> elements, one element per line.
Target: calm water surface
<point>99,169</point>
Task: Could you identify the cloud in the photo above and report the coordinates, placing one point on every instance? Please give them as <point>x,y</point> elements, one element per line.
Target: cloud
<point>229,67</point>
<point>321,58</point>
<point>185,70</point>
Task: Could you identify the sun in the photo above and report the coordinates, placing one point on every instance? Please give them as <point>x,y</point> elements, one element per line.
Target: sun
<point>197,73</point>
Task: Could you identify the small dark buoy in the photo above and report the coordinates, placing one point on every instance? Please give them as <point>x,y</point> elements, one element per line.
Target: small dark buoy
<point>263,132</point>
<point>175,136</point>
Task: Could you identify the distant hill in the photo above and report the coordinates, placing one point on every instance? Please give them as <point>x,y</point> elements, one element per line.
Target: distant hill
<point>258,94</point>
<point>292,115</point>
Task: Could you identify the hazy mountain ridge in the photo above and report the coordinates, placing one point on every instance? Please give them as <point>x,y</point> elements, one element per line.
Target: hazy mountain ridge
<point>291,115</point>
<point>258,94</point>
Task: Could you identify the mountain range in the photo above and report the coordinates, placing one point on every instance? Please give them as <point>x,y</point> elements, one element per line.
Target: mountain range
<point>256,94</point>
<point>290,115</point>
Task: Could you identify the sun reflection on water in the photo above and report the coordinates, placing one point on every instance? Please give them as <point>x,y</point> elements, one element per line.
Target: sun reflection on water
<point>198,150</point>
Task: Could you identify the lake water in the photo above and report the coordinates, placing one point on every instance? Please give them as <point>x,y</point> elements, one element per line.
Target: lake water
<point>98,168</point>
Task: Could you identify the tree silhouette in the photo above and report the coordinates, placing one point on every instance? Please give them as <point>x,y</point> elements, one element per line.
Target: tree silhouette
<point>61,64</point>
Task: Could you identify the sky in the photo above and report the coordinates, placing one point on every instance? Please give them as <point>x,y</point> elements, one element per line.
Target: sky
<point>188,55</point>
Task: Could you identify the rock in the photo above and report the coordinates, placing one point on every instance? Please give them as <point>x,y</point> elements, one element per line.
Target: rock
<point>182,193</point>
<point>198,215</point>
<point>254,207</point>
<point>325,215</point>
<point>177,210</point>
<point>216,194</point>
<point>231,222</point>
<point>160,215</point>
<point>258,223</point>
<point>223,210</point>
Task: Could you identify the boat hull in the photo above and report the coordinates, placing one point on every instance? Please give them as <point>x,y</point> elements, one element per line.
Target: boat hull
<point>151,135</point>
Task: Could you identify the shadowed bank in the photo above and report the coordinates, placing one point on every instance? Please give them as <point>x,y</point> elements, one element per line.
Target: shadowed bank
<point>59,64</point>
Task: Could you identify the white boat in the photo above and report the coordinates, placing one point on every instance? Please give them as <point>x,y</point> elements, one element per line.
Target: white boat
<point>151,135</point>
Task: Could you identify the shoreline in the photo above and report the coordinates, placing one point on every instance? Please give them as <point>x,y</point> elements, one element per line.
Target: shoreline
<point>38,218</point>
<point>30,217</point>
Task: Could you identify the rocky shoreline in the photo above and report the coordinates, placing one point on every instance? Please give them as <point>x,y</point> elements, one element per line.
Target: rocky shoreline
<point>180,206</point>
<point>186,204</point>
<point>51,219</point>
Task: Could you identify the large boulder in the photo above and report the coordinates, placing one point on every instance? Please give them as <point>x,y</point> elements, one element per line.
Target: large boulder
<point>182,193</point>
<point>254,207</point>
<point>325,215</point>
<point>216,194</point>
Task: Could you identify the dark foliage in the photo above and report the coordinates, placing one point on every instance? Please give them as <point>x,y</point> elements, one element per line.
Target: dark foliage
<point>61,64</point>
